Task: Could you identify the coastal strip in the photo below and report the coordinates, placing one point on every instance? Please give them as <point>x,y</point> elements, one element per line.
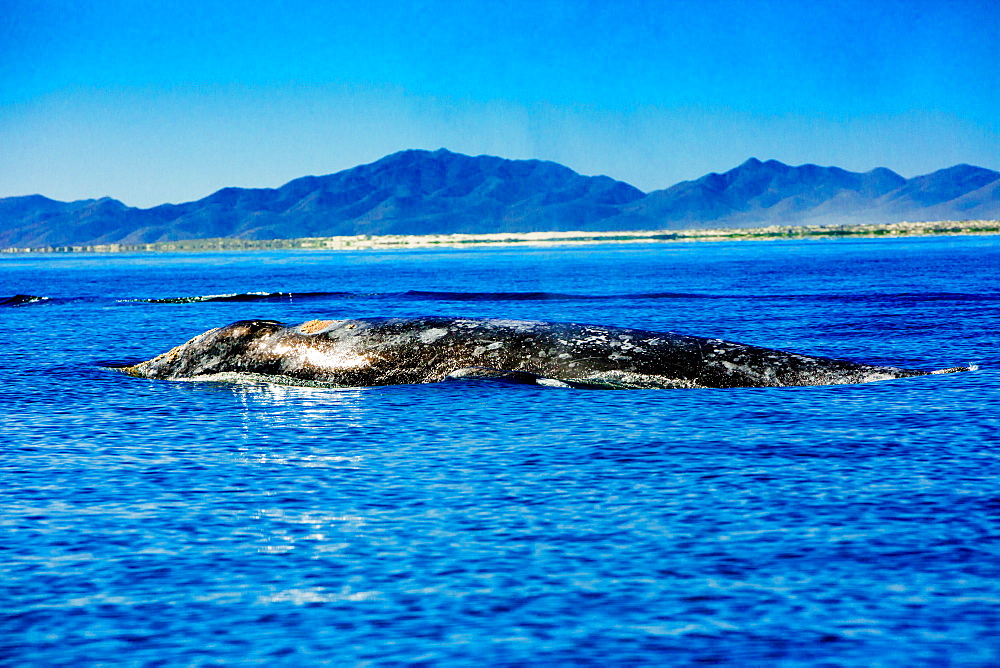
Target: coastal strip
<point>366,242</point>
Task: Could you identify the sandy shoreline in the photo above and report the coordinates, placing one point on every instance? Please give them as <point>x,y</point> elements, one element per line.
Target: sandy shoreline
<point>364,242</point>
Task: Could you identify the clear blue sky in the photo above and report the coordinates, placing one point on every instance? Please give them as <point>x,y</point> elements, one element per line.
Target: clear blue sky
<point>153,102</point>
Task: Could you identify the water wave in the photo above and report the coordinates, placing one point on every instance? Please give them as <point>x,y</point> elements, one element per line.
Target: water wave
<point>240,297</point>
<point>421,295</point>
<point>450,296</point>
<point>899,297</point>
<point>413,295</point>
<point>22,300</point>
<point>533,296</point>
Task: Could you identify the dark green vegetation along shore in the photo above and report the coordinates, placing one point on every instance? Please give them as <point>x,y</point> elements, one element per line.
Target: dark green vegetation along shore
<point>363,242</point>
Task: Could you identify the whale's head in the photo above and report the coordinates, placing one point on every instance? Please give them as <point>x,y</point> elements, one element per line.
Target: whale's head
<point>208,353</point>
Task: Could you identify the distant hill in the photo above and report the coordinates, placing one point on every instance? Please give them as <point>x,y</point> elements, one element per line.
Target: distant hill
<point>773,193</point>
<point>424,192</point>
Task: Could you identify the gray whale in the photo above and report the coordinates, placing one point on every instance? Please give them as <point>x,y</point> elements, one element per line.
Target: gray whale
<point>391,351</point>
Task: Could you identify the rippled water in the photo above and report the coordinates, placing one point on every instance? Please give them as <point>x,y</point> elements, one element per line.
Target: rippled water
<point>155,522</point>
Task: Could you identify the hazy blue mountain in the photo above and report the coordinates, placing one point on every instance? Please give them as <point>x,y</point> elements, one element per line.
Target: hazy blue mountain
<point>423,192</point>
<point>981,204</point>
<point>766,193</point>
<point>962,191</point>
<point>411,192</point>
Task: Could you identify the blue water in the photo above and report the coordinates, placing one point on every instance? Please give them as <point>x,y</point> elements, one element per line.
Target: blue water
<point>176,523</point>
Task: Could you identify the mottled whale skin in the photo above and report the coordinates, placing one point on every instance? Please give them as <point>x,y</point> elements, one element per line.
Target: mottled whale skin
<point>392,351</point>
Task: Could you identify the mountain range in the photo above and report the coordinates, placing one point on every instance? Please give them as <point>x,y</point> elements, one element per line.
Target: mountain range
<point>440,192</point>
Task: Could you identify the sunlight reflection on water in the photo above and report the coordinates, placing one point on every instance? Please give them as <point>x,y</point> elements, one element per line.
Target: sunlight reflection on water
<point>271,404</point>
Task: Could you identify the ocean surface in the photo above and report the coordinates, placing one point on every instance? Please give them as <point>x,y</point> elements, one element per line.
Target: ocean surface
<point>477,522</point>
